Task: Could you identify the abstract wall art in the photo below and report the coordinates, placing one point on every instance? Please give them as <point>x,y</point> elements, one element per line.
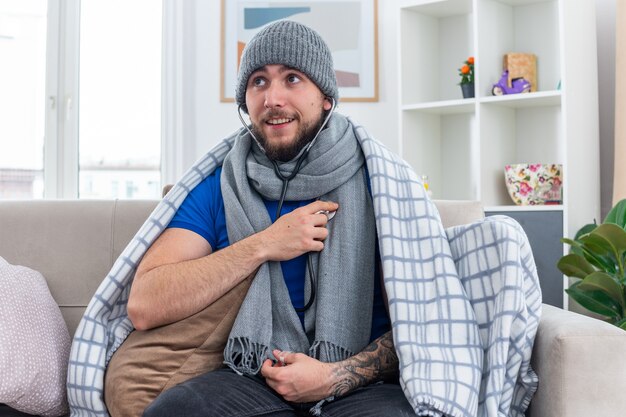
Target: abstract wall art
<point>348,26</point>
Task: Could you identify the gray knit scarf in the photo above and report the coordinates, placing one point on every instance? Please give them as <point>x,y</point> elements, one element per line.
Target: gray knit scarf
<point>338,323</point>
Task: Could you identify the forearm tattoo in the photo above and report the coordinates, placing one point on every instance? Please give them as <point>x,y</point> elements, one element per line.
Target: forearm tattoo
<point>377,362</point>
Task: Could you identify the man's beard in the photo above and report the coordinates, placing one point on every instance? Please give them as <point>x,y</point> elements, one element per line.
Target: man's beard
<point>284,153</point>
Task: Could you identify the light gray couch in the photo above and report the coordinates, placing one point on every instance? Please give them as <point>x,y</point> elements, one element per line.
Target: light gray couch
<point>581,361</point>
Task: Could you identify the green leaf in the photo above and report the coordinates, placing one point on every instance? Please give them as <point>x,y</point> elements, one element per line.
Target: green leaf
<point>601,281</point>
<point>588,228</point>
<point>622,326</point>
<point>597,244</point>
<point>574,265</point>
<point>575,246</point>
<point>607,241</point>
<point>601,262</point>
<point>595,301</point>
<point>617,214</point>
<point>572,243</point>
<point>614,236</point>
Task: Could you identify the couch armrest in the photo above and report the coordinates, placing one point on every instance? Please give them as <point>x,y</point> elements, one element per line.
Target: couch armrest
<point>581,363</point>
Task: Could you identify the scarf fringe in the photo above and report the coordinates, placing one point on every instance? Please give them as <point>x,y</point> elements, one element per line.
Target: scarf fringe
<point>334,170</point>
<point>244,356</point>
<point>329,352</point>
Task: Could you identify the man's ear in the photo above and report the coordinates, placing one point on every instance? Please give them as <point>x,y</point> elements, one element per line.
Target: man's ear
<point>328,103</point>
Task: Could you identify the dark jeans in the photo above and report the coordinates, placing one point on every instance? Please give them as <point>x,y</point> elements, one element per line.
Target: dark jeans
<point>223,393</point>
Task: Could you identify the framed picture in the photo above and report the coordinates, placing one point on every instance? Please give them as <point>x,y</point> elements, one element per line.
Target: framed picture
<point>349,27</point>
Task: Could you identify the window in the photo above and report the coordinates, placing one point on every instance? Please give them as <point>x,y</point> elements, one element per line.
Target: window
<point>22,97</point>
<point>80,98</point>
<point>120,98</point>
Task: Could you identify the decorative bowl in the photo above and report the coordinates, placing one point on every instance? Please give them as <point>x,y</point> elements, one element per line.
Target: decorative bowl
<point>531,184</point>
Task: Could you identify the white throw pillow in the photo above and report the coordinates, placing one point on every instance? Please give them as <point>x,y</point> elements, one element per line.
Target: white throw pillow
<point>34,344</point>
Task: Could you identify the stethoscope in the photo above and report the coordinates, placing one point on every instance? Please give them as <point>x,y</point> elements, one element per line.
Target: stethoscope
<point>285,180</point>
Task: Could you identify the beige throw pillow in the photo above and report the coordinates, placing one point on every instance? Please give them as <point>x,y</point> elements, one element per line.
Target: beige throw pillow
<point>34,344</point>
<point>152,361</point>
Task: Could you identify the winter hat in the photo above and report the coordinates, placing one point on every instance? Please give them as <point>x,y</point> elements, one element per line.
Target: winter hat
<point>291,44</point>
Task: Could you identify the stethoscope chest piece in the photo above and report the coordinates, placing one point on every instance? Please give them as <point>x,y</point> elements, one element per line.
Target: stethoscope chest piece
<point>329,214</point>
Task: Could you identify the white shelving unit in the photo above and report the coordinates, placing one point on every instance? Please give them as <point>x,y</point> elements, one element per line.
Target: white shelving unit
<point>464,144</point>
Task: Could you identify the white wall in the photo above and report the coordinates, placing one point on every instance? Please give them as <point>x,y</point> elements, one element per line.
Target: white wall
<point>215,120</point>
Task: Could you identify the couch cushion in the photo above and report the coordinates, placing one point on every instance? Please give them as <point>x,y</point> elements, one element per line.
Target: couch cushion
<point>73,243</point>
<point>457,212</point>
<point>35,344</point>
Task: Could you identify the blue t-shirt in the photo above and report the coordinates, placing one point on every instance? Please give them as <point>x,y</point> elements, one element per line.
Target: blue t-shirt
<point>203,213</point>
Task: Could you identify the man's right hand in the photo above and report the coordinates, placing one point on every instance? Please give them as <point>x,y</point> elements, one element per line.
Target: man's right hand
<point>296,233</point>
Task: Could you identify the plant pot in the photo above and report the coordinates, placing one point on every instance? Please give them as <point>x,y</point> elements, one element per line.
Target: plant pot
<point>468,90</point>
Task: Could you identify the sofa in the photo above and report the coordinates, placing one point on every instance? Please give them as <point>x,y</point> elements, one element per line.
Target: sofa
<point>581,361</point>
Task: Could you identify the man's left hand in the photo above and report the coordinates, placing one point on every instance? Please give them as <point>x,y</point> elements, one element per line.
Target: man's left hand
<point>297,377</point>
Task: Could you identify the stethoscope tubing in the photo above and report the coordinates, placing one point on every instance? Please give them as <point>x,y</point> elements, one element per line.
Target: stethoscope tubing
<point>285,180</point>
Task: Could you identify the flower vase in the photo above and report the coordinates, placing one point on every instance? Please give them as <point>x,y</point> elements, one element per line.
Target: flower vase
<point>468,90</point>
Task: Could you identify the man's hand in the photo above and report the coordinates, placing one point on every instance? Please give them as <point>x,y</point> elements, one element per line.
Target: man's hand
<point>300,378</point>
<point>297,377</point>
<point>296,233</point>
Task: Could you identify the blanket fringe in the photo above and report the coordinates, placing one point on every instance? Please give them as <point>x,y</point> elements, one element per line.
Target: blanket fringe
<point>427,406</point>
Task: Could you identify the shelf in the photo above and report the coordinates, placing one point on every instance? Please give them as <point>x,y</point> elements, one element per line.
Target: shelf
<point>514,101</point>
<point>525,100</point>
<point>443,107</point>
<point>545,207</point>
<point>522,2</point>
<point>442,9</point>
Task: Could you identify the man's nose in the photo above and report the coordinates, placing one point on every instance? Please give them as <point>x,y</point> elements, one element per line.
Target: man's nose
<point>274,96</point>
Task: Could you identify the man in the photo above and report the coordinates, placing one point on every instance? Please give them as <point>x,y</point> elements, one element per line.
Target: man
<point>291,203</point>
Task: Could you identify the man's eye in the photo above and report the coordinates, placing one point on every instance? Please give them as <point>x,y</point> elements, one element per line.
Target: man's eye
<point>293,78</point>
<point>258,82</point>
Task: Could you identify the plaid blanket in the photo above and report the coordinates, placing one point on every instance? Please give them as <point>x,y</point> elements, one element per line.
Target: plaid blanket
<point>464,302</point>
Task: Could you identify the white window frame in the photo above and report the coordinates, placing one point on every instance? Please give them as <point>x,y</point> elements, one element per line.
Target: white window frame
<point>61,132</point>
<point>172,88</point>
<point>61,141</point>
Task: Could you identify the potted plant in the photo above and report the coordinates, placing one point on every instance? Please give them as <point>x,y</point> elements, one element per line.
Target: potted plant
<point>467,78</point>
<point>598,260</point>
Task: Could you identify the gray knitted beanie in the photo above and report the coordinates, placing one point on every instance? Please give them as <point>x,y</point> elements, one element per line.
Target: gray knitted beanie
<point>291,44</point>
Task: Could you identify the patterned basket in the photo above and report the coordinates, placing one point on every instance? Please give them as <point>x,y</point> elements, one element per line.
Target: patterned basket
<point>531,184</point>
